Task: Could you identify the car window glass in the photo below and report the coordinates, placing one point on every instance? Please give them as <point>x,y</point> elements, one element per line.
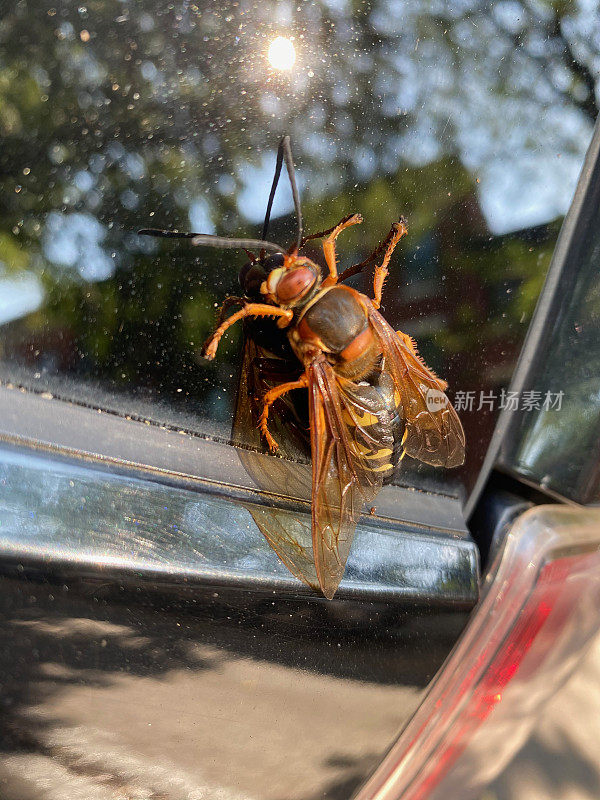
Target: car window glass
<point>471,120</point>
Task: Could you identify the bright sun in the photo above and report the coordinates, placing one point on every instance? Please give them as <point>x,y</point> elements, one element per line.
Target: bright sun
<point>282,54</point>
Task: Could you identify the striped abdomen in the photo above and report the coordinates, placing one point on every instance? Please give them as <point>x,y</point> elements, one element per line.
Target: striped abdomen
<point>376,424</point>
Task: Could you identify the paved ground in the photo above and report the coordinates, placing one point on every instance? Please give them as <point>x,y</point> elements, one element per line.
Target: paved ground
<point>181,736</point>
<point>114,703</point>
<point>200,715</point>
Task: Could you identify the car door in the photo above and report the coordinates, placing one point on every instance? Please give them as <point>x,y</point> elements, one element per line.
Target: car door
<point>153,643</point>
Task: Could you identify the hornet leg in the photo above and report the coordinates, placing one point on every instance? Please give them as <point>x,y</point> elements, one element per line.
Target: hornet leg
<point>227,303</point>
<point>381,248</point>
<point>250,310</point>
<point>269,399</point>
<point>329,247</point>
<point>381,272</point>
<point>323,234</point>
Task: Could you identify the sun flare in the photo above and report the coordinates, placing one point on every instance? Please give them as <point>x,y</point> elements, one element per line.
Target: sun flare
<point>282,53</point>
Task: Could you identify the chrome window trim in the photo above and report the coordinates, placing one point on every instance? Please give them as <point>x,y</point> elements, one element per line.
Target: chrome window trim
<point>183,459</point>
<point>70,518</point>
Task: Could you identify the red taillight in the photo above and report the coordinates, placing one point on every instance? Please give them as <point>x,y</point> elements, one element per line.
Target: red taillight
<point>539,609</point>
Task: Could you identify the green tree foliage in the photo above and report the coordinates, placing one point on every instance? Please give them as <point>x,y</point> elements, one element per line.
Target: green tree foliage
<point>117,115</point>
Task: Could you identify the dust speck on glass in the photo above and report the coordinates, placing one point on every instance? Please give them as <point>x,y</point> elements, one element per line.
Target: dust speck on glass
<point>470,118</point>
